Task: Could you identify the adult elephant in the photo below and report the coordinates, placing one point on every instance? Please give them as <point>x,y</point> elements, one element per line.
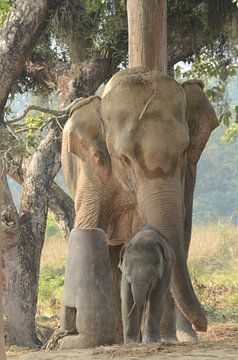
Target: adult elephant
<point>129,158</point>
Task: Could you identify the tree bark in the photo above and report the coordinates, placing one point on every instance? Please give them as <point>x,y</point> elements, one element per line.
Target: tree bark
<point>60,204</point>
<point>2,351</point>
<point>62,207</point>
<point>147,33</point>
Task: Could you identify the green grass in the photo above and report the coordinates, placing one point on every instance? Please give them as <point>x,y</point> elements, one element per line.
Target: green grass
<point>52,270</point>
<point>50,290</point>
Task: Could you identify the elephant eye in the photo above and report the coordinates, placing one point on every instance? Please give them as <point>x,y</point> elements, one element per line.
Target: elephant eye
<point>125,160</point>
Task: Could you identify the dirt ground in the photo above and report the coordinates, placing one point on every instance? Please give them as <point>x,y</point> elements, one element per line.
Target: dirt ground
<point>221,342</point>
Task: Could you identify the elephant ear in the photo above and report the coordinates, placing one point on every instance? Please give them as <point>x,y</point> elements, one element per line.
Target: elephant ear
<point>201,118</point>
<point>82,137</point>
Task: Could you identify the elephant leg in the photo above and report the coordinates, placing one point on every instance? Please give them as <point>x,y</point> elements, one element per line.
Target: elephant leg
<point>154,311</point>
<point>68,319</point>
<point>168,321</point>
<point>185,332</point>
<point>131,315</point>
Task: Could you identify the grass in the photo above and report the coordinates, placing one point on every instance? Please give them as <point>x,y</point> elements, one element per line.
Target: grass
<point>51,279</point>
<point>213,264</point>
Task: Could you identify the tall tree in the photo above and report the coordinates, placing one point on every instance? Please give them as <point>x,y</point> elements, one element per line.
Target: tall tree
<point>20,33</point>
<point>147,33</point>
<point>2,352</point>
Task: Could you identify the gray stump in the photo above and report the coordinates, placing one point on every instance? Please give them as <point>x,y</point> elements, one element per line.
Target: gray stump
<point>88,302</point>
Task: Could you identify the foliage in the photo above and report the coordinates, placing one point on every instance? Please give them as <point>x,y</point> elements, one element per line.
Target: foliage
<point>88,28</point>
<point>24,135</point>
<point>83,29</point>
<point>230,134</point>
<point>51,283</point>
<point>215,196</point>
<point>52,270</point>
<point>216,69</point>
<point>4,9</point>
<point>38,74</point>
<point>52,229</point>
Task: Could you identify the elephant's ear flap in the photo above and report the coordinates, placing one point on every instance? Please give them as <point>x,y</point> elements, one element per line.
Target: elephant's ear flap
<point>82,136</point>
<point>201,118</point>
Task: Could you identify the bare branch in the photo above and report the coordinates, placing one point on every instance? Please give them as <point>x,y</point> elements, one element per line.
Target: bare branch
<point>56,113</point>
<point>36,108</point>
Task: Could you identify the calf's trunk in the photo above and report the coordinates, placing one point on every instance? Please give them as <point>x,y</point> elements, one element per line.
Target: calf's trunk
<point>139,294</point>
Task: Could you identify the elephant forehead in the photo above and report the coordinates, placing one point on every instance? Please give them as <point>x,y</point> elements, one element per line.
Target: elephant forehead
<point>138,104</point>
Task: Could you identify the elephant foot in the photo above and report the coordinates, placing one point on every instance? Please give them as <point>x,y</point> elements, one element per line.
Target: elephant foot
<point>185,331</point>
<point>129,340</point>
<point>168,334</point>
<point>151,339</point>
<point>169,338</point>
<point>185,336</point>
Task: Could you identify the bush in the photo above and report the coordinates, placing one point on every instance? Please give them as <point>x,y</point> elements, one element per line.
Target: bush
<point>51,283</point>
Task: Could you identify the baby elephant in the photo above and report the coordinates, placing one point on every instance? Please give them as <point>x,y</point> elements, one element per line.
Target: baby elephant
<point>146,263</point>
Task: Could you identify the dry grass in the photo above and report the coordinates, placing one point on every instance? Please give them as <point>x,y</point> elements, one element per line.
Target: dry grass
<point>53,253</point>
<point>213,264</point>
<point>208,240</point>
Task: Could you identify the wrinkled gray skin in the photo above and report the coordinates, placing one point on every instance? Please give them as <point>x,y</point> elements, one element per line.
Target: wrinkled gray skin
<point>129,158</point>
<point>146,264</point>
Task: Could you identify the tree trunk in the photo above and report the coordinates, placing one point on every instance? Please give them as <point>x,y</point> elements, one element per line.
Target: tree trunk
<point>24,245</point>
<point>20,33</point>
<point>147,29</point>
<point>2,352</point>
<point>60,204</point>
<point>62,208</point>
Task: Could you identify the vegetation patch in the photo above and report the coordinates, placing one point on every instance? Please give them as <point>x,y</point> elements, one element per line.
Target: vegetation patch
<point>213,264</point>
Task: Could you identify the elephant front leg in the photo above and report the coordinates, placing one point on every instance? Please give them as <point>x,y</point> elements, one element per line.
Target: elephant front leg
<point>154,310</point>
<point>185,332</point>
<point>131,315</point>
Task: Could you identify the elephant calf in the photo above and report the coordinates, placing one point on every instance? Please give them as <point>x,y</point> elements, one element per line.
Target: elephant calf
<point>146,263</point>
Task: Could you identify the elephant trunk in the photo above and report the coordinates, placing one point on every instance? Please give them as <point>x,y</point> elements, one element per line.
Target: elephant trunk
<point>139,293</point>
<point>164,211</point>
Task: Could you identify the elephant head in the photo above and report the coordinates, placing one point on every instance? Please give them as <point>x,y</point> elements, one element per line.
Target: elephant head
<point>151,128</point>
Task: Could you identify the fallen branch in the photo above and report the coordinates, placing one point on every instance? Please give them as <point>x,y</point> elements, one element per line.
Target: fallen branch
<point>54,341</point>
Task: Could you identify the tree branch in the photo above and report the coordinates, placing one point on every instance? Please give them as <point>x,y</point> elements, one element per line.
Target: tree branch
<point>19,35</point>
<point>56,113</point>
<point>62,207</point>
